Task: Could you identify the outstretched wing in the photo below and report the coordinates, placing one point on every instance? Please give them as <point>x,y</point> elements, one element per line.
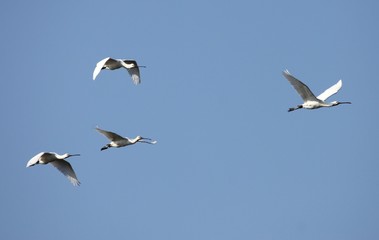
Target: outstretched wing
<point>330,91</point>
<point>302,89</point>
<point>65,168</point>
<point>110,135</point>
<point>34,160</point>
<point>133,70</point>
<point>98,67</point>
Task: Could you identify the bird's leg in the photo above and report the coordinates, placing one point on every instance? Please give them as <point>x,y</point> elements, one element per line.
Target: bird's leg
<point>295,108</point>
<point>105,147</point>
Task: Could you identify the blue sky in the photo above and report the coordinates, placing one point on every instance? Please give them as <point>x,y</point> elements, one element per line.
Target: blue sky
<point>231,162</point>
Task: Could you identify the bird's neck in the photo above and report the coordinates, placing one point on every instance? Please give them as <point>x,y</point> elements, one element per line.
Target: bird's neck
<point>325,104</point>
<point>332,104</point>
<point>62,156</point>
<point>127,65</point>
<point>134,140</point>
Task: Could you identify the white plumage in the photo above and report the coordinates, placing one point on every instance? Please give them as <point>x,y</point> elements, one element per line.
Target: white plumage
<point>310,100</point>
<point>119,141</point>
<point>112,64</point>
<point>57,161</point>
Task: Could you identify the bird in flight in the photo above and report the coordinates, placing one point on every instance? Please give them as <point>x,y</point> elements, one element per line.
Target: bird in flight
<point>310,100</point>
<point>57,161</point>
<point>112,64</point>
<point>118,141</point>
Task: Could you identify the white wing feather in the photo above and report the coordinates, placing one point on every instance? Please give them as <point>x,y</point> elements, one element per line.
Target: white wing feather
<point>34,159</point>
<point>110,135</point>
<point>134,73</point>
<point>330,91</point>
<point>302,89</point>
<point>65,168</point>
<point>133,70</point>
<point>99,66</point>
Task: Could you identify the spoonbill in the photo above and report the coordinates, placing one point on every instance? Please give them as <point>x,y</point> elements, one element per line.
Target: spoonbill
<point>310,100</point>
<point>118,141</point>
<point>112,64</point>
<point>57,161</point>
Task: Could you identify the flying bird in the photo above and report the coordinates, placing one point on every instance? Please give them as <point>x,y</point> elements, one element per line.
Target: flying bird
<point>310,100</point>
<point>118,141</point>
<point>57,161</point>
<point>112,64</point>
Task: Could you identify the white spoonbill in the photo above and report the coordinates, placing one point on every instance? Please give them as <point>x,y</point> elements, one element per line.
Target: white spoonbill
<point>310,100</point>
<point>118,141</point>
<point>112,64</point>
<point>57,161</point>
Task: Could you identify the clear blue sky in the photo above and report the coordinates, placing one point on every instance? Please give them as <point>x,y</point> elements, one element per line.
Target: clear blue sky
<point>231,162</point>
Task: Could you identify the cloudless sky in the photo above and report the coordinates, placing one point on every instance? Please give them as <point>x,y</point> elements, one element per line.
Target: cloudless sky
<point>231,162</point>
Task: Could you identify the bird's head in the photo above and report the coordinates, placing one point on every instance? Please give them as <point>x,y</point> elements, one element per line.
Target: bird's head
<point>335,103</point>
